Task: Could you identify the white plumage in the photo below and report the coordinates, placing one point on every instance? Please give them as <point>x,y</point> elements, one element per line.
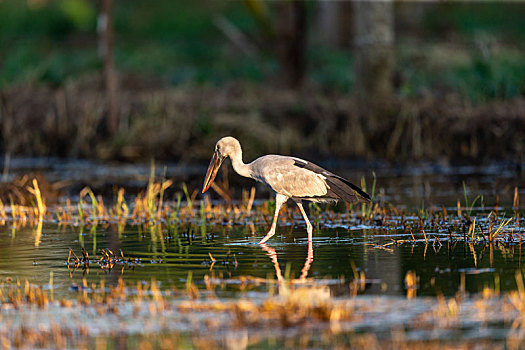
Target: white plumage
<point>288,177</point>
<point>282,176</point>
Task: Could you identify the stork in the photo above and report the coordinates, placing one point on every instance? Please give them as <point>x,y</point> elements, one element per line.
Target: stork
<point>289,177</point>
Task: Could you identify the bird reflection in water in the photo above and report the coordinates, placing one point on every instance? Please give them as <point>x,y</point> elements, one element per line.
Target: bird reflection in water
<point>304,271</point>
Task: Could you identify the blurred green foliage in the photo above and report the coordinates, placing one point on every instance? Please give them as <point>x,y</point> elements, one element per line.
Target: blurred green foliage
<point>55,40</point>
<point>499,77</point>
<point>80,13</point>
<point>503,19</point>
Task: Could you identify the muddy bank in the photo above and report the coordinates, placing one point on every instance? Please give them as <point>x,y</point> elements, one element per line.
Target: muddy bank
<point>183,123</point>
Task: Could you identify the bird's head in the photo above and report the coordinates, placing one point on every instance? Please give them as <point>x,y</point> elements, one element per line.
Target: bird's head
<point>225,147</point>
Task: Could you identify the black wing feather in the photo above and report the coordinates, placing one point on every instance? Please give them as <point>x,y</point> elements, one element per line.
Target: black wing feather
<point>339,187</point>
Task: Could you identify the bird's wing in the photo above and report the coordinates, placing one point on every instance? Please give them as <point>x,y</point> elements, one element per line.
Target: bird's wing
<point>281,174</point>
<point>338,187</point>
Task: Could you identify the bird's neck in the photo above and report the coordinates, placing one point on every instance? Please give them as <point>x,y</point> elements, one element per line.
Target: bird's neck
<point>239,166</point>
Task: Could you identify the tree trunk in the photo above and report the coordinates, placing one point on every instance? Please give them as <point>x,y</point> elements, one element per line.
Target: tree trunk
<point>291,41</point>
<point>106,44</point>
<point>334,23</point>
<point>373,42</point>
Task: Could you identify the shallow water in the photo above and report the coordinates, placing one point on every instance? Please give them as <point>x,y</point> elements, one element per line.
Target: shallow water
<point>172,257</point>
<point>343,250</point>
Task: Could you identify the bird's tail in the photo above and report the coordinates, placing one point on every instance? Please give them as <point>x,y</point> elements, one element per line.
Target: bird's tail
<point>346,190</point>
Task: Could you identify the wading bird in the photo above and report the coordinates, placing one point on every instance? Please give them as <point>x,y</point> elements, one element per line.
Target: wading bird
<point>288,177</point>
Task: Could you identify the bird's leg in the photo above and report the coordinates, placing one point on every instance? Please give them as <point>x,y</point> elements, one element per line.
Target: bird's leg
<point>280,199</point>
<point>309,227</point>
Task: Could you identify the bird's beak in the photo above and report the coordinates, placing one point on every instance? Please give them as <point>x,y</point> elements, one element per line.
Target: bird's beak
<point>214,166</point>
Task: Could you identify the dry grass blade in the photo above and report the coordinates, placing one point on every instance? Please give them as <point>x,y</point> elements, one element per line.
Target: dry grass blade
<point>250,201</point>
<point>41,207</point>
<point>501,226</point>
<point>472,229</point>
<point>224,194</point>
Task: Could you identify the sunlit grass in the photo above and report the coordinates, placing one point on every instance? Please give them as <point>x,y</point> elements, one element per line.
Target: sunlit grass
<point>294,307</point>
<point>151,212</point>
<point>287,301</point>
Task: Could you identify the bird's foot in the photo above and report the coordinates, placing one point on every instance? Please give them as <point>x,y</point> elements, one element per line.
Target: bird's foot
<point>267,237</point>
<point>262,241</point>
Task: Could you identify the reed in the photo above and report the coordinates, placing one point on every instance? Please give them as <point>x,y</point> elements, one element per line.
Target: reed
<point>150,209</point>
<point>86,191</point>
<point>516,201</point>
<point>41,207</point>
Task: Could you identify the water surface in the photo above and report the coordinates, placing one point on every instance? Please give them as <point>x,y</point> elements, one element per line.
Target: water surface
<point>172,256</point>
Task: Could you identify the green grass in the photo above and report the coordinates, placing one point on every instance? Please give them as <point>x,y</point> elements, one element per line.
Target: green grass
<point>498,73</point>
<point>331,68</point>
